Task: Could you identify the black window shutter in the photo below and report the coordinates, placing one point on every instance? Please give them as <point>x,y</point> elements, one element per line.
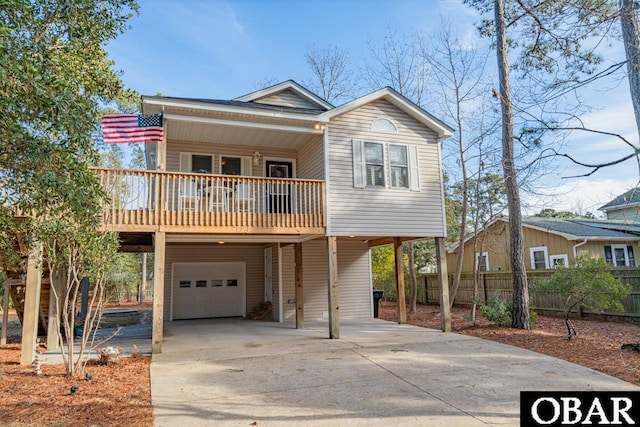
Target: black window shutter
<point>632,261</point>
<point>608,254</point>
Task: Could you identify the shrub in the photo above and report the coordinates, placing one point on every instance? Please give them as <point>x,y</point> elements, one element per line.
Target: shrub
<point>588,283</point>
<point>500,310</point>
<point>497,310</point>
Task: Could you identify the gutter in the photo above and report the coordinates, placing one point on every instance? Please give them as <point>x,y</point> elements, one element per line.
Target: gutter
<point>575,247</point>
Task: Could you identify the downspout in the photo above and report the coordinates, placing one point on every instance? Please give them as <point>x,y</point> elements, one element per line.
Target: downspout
<point>575,247</point>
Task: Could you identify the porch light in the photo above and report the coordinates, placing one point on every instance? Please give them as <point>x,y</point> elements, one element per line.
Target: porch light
<point>319,126</point>
<point>221,242</point>
<point>256,158</point>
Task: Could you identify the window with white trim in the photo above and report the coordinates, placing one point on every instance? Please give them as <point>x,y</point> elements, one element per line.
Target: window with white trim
<point>539,258</point>
<point>382,124</point>
<point>556,260</point>
<point>482,262</point>
<point>398,166</point>
<point>385,165</point>
<point>235,165</point>
<point>374,164</point>
<point>619,255</point>
<point>198,163</point>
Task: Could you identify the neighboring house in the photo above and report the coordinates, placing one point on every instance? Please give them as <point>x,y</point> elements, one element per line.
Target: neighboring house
<point>551,241</point>
<point>277,196</point>
<point>625,207</point>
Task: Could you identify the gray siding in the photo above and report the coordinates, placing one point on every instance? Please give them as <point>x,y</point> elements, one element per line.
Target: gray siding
<point>253,255</point>
<point>383,212</point>
<point>287,98</point>
<point>630,214</point>
<point>311,160</point>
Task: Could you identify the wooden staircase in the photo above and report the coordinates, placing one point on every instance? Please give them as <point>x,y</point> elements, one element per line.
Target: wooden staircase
<point>16,288</point>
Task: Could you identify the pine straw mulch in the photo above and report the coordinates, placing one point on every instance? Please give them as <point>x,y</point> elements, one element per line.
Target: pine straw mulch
<point>119,394</point>
<point>597,345</point>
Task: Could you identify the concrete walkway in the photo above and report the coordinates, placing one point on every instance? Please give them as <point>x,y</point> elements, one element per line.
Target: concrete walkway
<point>234,372</point>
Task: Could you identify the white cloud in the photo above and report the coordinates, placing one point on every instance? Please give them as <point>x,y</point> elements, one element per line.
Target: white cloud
<point>581,195</point>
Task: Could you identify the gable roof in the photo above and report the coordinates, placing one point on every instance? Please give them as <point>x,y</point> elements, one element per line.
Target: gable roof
<point>441,128</point>
<point>575,229</point>
<point>627,199</point>
<point>572,229</point>
<point>287,85</point>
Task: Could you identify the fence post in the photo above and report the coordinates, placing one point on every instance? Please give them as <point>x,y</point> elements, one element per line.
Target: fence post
<point>484,286</point>
<point>426,290</point>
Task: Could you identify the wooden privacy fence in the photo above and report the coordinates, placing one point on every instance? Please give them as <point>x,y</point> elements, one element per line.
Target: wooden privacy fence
<point>501,282</point>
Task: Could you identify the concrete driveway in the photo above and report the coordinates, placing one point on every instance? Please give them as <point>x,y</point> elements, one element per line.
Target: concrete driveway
<point>236,372</point>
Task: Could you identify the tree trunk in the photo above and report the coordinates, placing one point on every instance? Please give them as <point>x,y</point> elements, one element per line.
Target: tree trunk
<point>414,280</point>
<point>520,318</point>
<point>631,36</point>
<point>465,203</point>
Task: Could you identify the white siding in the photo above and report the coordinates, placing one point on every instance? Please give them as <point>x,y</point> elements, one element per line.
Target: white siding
<point>287,98</point>
<point>383,212</point>
<point>310,162</point>
<point>253,255</point>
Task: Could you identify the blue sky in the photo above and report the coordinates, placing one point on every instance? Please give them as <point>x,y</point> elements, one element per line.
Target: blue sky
<point>222,49</point>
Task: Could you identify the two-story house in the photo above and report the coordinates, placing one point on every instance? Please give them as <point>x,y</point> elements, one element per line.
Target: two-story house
<point>278,196</point>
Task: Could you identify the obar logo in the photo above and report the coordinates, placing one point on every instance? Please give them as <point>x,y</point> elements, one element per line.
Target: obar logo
<point>566,408</point>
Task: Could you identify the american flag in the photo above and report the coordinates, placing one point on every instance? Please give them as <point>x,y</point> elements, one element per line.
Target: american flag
<point>122,128</point>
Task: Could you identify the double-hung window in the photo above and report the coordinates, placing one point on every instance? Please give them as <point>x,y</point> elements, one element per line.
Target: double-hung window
<point>374,160</point>
<point>619,255</point>
<point>385,165</point>
<point>398,166</point>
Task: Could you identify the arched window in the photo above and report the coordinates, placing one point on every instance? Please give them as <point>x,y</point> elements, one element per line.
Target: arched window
<point>382,124</point>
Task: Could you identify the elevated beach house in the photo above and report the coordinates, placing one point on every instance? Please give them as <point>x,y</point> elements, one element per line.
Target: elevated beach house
<point>277,196</point>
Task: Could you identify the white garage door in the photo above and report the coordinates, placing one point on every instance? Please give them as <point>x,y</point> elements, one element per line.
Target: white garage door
<point>208,289</point>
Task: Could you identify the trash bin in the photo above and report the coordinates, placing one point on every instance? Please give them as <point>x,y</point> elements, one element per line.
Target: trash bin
<point>377,296</point>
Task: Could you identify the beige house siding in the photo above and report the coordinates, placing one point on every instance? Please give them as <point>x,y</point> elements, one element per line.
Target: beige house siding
<point>383,212</point>
<point>354,289</point>
<point>287,98</point>
<point>496,244</point>
<point>631,214</point>
<point>252,255</point>
<point>288,284</point>
<point>174,148</point>
<point>311,160</point>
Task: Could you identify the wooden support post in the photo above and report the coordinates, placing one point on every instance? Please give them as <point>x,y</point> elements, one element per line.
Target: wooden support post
<point>31,306</point>
<point>5,314</point>
<point>443,284</point>
<point>53,328</point>
<point>299,286</point>
<point>334,319</point>
<point>158,292</point>
<point>402,304</point>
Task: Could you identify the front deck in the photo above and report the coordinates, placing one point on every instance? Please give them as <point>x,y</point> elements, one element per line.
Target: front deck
<point>148,201</point>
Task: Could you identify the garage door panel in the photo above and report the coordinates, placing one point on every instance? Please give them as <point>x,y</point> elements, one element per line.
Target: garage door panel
<point>208,289</point>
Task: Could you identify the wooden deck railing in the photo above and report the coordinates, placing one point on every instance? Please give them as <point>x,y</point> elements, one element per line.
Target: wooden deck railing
<point>204,203</point>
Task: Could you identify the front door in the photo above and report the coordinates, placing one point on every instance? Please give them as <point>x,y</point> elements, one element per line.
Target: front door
<point>279,193</point>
